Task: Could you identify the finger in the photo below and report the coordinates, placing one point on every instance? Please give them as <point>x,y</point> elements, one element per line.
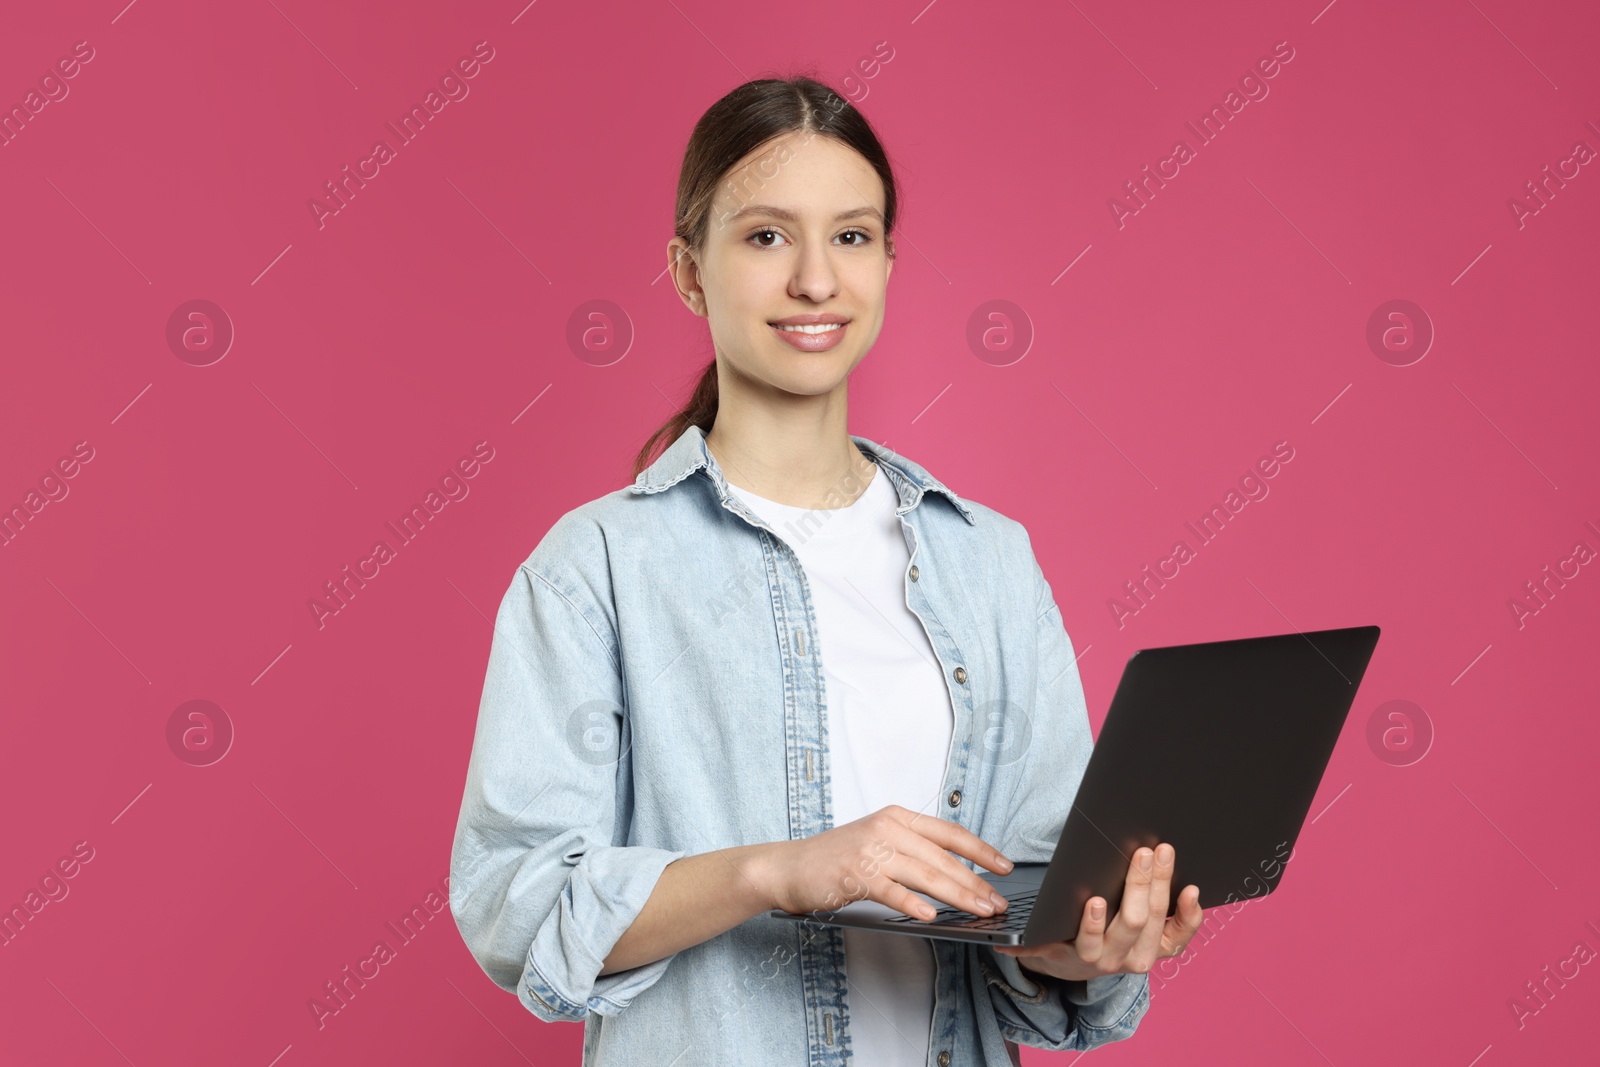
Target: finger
<point>1180,929</point>
<point>930,841</point>
<point>1122,933</point>
<point>1191,901</point>
<point>1091,940</point>
<point>1134,911</point>
<point>926,872</point>
<point>903,900</point>
<point>958,839</point>
<point>1148,943</point>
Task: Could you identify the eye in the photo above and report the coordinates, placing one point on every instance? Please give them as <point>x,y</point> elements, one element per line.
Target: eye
<point>863,238</point>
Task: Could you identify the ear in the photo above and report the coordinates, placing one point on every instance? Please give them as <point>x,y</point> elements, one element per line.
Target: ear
<point>686,275</point>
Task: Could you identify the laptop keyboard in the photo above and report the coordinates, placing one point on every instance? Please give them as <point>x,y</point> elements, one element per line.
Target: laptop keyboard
<point>1014,917</point>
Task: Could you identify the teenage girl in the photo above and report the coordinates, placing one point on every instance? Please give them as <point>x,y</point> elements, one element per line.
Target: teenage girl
<point>785,669</point>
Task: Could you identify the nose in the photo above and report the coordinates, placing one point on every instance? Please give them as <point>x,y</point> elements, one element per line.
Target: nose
<point>814,276</point>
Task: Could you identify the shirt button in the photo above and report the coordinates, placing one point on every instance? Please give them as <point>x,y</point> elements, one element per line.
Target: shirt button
<point>961,675</point>
<point>944,1059</point>
<point>955,798</point>
<point>913,572</point>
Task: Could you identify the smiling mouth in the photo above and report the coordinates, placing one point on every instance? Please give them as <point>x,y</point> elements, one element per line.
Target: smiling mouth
<point>821,327</point>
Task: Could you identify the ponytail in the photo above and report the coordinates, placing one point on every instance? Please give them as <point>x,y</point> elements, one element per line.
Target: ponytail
<point>701,412</point>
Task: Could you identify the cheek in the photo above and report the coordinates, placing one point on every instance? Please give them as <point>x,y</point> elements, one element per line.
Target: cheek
<point>869,291</point>
<point>866,328</point>
<point>745,304</point>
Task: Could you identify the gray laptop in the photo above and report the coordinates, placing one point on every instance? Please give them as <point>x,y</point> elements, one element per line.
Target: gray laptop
<point>1216,748</point>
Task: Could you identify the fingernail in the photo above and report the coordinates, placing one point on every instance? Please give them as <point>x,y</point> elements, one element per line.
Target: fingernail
<point>1004,864</point>
<point>999,901</point>
<point>1145,859</point>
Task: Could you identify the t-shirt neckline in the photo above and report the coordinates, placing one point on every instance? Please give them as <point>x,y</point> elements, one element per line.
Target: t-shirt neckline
<point>824,522</point>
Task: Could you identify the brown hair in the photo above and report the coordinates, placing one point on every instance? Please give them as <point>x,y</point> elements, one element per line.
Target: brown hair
<point>731,129</point>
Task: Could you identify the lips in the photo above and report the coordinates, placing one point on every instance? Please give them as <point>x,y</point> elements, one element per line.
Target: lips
<point>810,328</point>
<point>811,336</point>
<point>809,320</point>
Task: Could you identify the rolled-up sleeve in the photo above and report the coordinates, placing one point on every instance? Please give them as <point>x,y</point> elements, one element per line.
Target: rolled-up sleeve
<point>542,882</point>
<point>1044,1012</point>
<point>1033,1009</point>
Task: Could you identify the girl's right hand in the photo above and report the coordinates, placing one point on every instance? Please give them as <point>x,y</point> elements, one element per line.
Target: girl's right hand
<point>884,857</point>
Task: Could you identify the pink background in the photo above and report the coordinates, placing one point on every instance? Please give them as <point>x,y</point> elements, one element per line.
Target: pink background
<point>431,313</point>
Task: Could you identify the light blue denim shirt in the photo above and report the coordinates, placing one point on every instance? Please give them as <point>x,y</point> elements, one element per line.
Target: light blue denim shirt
<point>655,690</point>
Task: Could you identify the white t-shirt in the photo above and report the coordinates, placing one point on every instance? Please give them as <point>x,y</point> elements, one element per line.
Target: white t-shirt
<point>889,731</point>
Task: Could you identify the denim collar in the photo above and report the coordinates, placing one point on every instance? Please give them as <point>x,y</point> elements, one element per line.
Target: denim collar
<point>689,453</point>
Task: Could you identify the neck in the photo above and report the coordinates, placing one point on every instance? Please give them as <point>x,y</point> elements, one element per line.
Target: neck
<point>799,455</point>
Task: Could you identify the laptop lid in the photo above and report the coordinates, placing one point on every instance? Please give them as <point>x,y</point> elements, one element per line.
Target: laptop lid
<point>1217,748</point>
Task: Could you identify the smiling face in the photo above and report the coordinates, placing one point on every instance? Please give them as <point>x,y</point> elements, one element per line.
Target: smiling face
<point>795,239</point>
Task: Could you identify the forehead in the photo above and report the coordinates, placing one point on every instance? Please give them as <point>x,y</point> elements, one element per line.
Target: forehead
<point>809,175</point>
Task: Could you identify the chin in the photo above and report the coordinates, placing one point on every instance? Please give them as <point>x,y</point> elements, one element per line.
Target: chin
<point>819,384</point>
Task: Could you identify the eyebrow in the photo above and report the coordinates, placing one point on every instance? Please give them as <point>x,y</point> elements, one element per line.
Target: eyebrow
<point>789,216</point>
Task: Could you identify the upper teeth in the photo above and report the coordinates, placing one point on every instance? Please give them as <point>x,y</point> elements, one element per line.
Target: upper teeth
<point>821,327</point>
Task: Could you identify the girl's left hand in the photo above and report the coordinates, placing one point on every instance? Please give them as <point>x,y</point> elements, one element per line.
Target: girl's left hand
<point>1140,934</point>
